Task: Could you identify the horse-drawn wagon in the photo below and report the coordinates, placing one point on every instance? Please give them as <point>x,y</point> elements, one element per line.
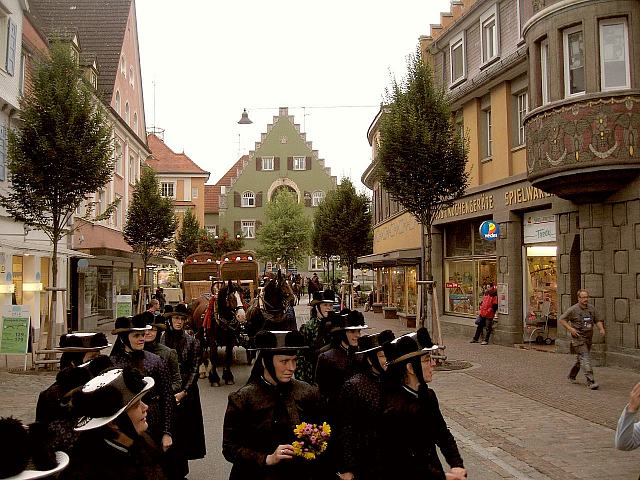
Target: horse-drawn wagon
<point>198,272</point>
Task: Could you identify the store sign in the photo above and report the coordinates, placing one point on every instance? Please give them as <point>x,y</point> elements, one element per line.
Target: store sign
<point>539,227</point>
<point>124,307</point>
<point>480,203</point>
<point>489,230</point>
<point>14,331</point>
<point>451,285</point>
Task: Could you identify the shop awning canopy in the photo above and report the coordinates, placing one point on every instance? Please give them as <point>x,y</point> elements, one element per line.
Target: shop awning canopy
<point>396,257</point>
<point>43,247</point>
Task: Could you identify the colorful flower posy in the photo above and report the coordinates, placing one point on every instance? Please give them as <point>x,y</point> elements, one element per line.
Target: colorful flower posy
<point>312,439</point>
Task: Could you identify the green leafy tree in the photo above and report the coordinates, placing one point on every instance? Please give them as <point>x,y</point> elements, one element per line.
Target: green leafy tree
<point>60,157</point>
<point>285,236</point>
<point>344,225</point>
<point>188,237</point>
<point>323,242</point>
<point>151,221</point>
<point>422,158</point>
<point>218,245</point>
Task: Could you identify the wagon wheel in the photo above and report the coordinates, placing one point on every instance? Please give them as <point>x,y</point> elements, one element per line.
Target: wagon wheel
<point>539,339</point>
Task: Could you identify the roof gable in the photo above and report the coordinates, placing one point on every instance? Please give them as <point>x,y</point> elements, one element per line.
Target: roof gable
<point>212,192</point>
<point>100,26</point>
<point>164,160</point>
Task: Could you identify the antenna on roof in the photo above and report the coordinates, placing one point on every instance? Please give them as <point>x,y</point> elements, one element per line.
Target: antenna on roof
<point>157,131</point>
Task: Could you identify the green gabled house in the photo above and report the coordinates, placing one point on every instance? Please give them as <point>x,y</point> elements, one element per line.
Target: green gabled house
<point>282,159</point>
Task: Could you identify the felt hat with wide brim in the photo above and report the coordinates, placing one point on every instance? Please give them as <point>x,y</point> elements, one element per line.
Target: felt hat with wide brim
<point>154,320</point>
<point>102,391</point>
<point>355,321</point>
<point>181,310</point>
<point>406,347</point>
<point>62,459</point>
<point>327,296</point>
<point>83,342</point>
<point>374,341</point>
<point>137,323</point>
<point>279,341</point>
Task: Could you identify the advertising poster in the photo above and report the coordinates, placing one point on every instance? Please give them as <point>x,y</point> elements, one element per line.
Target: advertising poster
<point>124,307</point>
<point>503,298</point>
<point>14,331</point>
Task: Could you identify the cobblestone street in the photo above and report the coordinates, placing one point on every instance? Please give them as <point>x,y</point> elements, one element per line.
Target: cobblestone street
<point>514,413</point>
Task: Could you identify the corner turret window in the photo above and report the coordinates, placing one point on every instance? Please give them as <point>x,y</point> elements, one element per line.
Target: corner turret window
<point>614,55</point>
<point>574,79</point>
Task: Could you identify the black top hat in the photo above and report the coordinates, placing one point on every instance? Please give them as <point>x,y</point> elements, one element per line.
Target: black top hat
<point>328,296</point>
<point>405,347</point>
<point>137,323</point>
<point>279,341</point>
<point>153,320</point>
<point>105,397</point>
<point>374,341</point>
<point>83,342</point>
<point>181,310</point>
<point>168,308</point>
<point>355,321</point>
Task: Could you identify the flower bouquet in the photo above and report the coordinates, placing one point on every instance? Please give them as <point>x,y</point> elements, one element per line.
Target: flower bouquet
<point>311,440</point>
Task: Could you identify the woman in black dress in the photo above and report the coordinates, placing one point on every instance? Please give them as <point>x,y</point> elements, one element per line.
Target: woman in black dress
<point>261,416</point>
<point>189,428</point>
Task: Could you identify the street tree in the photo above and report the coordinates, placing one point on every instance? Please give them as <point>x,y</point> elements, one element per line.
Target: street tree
<point>323,243</point>
<point>218,245</point>
<point>60,157</point>
<point>151,221</point>
<point>422,158</point>
<point>345,224</point>
<point>188,236</point>
<point>285,236</point>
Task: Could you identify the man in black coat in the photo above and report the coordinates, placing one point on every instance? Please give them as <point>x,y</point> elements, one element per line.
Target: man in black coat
<point>360,445</point>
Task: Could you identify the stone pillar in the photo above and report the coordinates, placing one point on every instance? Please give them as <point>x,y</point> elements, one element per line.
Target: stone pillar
<point>509,265</point>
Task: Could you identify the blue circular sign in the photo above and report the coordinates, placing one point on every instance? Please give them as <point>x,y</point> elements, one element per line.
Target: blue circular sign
<point>489,230</point>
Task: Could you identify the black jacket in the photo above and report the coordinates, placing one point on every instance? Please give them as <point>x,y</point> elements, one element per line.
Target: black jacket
<point>412,426</point>
<point>259,417</point>
<point>335,366</point>
<point>360,444</point>
<point>100,459</point>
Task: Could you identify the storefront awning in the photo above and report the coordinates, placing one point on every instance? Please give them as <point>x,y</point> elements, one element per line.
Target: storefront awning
<point>410,256</point>
<point>44,247</point>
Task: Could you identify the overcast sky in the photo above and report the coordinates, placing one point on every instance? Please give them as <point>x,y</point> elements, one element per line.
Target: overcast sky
<point>210,59</point>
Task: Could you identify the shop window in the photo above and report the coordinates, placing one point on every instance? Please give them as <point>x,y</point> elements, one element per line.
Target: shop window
<point>574,78</point>
<point>541,287</point>
<point>614,55</point>
<point>470,264</point>
<point>17,278</point>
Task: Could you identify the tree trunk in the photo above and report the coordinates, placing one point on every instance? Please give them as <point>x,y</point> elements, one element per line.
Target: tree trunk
<point>51,331</point>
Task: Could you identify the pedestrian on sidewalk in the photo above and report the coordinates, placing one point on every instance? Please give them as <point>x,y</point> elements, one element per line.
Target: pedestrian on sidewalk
<point>488,309</point>
<point>579,320</point>
<point>628,431</point>
<point>361,448</point>
<point>412,424</point>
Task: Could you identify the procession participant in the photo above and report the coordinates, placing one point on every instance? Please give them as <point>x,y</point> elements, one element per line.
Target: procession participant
<point>261,416</point>
<point>129,351</point>
<point>152,344</point>
<point>316,334</point>
<point>579,320</point>
<point>411,412</point>
<point>360,446</point>
<point>339,363</point>
<point>113,443</point>
<point>26,453</point>
<point>189,427</point>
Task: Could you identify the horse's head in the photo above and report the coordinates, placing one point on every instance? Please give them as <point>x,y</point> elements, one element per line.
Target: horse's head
<point>277,295</point>
<point>230,302</point>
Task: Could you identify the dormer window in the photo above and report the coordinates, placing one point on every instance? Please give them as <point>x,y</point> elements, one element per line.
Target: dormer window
<point>489,35</point>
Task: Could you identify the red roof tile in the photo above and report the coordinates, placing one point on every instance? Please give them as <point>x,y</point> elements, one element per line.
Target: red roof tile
<point>165,160</point>
<point>212,192</point>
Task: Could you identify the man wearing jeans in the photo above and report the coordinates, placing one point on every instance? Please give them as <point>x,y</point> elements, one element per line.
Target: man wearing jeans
<point>579,320</point>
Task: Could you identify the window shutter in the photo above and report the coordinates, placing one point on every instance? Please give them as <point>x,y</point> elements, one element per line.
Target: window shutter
<point>236,199</point>
<point>258,225</point>
<point>307,163</point>
<point>12,34</point>
<point>259,199</point>
<point>276,163</point>
<point>237,228</point>
<point>259,164</point>
<point>3,152</point>
<point>289,163</point>
<point>307,199</point>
